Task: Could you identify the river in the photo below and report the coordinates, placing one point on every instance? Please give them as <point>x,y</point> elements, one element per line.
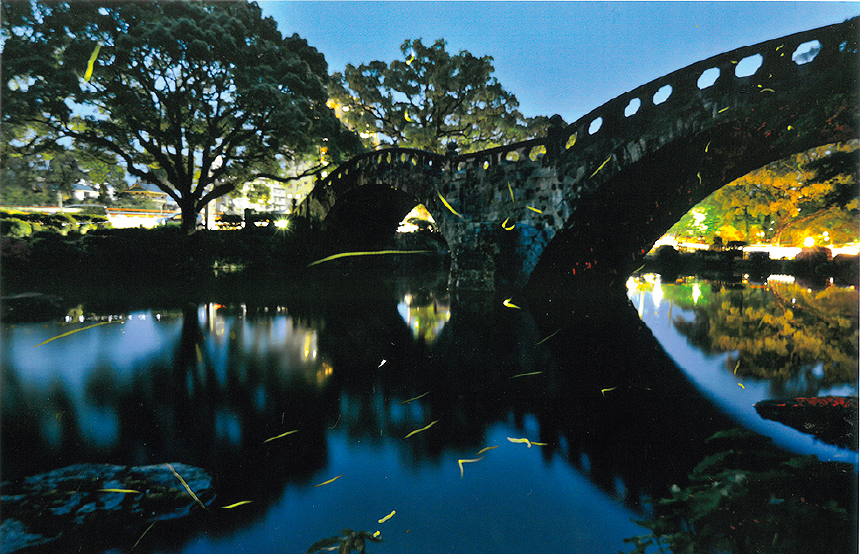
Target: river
<point>479,424</point>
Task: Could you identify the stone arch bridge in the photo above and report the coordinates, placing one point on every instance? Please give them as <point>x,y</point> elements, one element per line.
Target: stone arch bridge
<point>594,196</point>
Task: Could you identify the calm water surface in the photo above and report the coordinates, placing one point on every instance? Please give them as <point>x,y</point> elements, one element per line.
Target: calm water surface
<point>621,391</point>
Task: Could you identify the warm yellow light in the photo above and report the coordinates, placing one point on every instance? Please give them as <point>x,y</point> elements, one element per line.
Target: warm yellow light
<point>809,241</point>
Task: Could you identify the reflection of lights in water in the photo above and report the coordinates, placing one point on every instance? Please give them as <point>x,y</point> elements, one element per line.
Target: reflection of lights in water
<point>631,284</point>
<point>425,320</point>
<point>634,294</point>
<point>697,293</point>
<point>308,340</point>
<point>323,373</point>
<point>657,293</point>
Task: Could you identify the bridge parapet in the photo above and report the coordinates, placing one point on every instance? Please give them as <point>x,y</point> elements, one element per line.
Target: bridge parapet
<point>700,95</point>
<point>396,167</point>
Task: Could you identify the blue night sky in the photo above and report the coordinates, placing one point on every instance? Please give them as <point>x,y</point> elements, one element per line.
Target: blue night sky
<point>556,57</point>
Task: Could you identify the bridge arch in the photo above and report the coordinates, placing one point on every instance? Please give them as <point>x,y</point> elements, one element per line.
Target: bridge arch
<point>597,193</point>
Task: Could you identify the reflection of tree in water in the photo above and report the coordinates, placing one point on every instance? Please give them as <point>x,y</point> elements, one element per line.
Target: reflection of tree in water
<point>801,339</point>
<point>607,399</point>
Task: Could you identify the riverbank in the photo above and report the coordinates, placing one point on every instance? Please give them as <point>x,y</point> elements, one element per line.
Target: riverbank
<point>164,265</point>
<point>814,266</point>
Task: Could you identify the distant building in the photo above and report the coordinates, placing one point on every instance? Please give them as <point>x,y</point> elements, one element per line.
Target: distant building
<point>81,191</point>
<point>281,197</point>
<point>144,190</point>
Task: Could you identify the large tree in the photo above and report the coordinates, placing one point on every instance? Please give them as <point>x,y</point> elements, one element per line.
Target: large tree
<point>195,97</point>
<point>430,98</point>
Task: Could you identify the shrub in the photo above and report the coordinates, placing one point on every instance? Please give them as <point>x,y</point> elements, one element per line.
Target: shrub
<point>62,222</point>
<point>15,228</point>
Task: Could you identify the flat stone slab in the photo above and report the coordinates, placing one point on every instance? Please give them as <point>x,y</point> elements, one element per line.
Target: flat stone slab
<point>74,505</point>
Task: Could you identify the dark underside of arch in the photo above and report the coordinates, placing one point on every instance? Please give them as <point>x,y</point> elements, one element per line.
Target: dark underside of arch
<point>366,217</point>
<point>617,223</point>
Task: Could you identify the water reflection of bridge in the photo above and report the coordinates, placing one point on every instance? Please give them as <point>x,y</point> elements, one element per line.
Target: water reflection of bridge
<point>243,374</point>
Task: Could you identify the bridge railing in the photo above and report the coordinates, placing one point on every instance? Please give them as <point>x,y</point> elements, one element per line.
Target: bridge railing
<point>419,158</point>
<point>716,83</point>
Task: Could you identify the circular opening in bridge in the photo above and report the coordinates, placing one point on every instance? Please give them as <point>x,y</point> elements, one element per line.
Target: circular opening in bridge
<point>663,94</point>
<point>632,107</point>
<point>806,52</point>
<point>537,151</point>
<point>485,165</point>
<point>749,65</point>
<point>512,156</point>
<point>571,140</point>
<point>708,78</point>
<point>595,125</point>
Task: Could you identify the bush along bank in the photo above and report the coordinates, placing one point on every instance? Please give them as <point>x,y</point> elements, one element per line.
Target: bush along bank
<point>129,260</point>
<point>48,259</point>
<point>18,224</point>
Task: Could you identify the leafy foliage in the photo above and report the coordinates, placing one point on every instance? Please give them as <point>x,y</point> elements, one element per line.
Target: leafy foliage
<point>344,543</point>
<point>781,334</point>
<point>748,496</point>
<point>194,97</point>
<point>806,194</point>
<point>430,98</point>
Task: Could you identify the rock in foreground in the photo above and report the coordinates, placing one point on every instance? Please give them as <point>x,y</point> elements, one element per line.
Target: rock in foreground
<point>87,507</point>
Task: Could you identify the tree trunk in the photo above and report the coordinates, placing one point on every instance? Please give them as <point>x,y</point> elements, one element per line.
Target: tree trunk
<point>189,217</point>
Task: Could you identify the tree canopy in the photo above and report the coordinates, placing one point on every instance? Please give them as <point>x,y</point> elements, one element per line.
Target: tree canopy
<point>430,98</point>
<point>809,193</point>
<point>193,97</point>
<point>35,168</point>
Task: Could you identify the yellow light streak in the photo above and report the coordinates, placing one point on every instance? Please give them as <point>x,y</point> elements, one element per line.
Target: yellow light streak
<point>281,435</point>
<point>71,333</point>
<point>527,442</point>
<point>414,398</point>
<point>91,64</point>
<point>543,340</point>
<point>236,505</point>
<point>447,205</point>
<point>469,461</point>
<point>508,304</point>
<point>332,480</point>
<point>369,253</point>
<point>601,166</point>
<point>422,429</point>
<point>526,374</point>
<point>184,484</point>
